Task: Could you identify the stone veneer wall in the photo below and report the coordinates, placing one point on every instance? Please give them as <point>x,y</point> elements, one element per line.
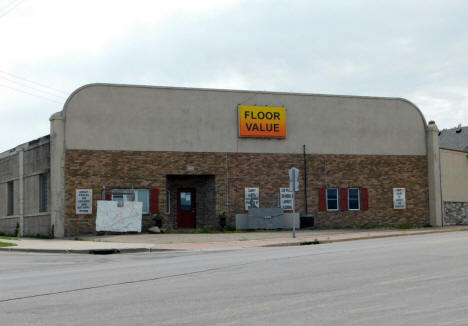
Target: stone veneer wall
<point>456,213</point>
<point>235,171</point>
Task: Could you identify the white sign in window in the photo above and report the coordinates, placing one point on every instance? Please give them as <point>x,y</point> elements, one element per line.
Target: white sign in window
<point>399,198</point>
<point>84,202</point>
<point>251,198</point>
<point>286,198</point>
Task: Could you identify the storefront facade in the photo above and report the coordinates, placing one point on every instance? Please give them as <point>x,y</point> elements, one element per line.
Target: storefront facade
<point>196,156</point>
<point>192,155</point>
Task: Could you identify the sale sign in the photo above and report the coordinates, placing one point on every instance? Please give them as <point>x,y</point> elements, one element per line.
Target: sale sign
<point>262,121</point>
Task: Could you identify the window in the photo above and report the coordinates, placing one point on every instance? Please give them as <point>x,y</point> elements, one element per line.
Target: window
<point>353,199</point>
<point>43,193</point>
<point>141,195</point>
<point>10,199</point>
<point>185,201</point>
<point>332,199</point>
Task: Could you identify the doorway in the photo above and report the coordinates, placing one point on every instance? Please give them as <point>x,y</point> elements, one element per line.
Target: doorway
<point>201,191</point>
<point>186,208</point>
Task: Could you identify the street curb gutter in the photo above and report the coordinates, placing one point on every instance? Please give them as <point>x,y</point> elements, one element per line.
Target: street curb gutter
<point>106,251</point>
<point>309,242</point>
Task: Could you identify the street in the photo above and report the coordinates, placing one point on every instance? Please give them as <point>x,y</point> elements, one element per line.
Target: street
<point>411,280</point>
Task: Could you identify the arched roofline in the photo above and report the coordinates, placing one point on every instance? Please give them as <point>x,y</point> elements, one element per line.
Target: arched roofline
<point>411,104</point>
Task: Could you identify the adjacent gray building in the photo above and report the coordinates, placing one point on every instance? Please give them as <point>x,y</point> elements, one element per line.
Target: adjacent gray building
<point>25,189</point>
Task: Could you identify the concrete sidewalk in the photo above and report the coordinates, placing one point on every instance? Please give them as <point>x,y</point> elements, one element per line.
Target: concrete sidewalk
<point>73,246</point>
<point>206,241</point>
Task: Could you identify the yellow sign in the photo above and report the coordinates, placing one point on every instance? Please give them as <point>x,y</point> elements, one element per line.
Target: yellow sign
<point>262,121</point>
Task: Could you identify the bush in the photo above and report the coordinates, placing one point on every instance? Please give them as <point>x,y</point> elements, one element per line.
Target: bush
<point>230,228</point>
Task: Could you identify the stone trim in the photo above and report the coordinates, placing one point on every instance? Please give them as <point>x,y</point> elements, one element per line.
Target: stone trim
<point>456,213</point>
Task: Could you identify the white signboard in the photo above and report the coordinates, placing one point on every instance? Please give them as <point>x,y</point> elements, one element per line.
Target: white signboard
<point>84,202</point>
<point>293,179</point>
<point>399,198</point>
<point>286,198</point>
<point>119,216</point>
<point>251,198</point>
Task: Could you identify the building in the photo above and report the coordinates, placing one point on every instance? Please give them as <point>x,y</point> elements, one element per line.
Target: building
<point>195,154</point>
<point>25,188</point>
<point>454,168</point>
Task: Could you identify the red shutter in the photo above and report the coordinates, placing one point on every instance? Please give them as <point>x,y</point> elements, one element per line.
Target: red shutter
<point>108,194</point>
<point>344,199</point>
<point>154,201</point>
<point>322,200</point>
<point>364,199</point>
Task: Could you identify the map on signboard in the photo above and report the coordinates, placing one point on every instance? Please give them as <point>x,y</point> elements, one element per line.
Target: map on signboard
<point>286,198</point>
<point>251,198</point>
<point>119,216</point>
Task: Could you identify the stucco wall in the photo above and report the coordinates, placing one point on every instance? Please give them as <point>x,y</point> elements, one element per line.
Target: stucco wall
<point>454,166</point>
<point>8,168</point>
<point>139,118</point>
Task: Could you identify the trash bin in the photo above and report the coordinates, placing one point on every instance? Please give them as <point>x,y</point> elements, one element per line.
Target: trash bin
<point>307,221</point>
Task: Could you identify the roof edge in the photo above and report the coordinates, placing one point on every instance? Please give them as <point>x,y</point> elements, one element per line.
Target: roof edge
<point>454,150</point>
<point>75,92</point>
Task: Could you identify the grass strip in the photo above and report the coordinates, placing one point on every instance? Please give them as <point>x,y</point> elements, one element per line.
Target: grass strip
<point>6,244</point>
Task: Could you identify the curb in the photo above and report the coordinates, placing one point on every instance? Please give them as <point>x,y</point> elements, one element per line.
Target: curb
<point>311,242</point>
<point>107,251</point>
<point>302,242</point>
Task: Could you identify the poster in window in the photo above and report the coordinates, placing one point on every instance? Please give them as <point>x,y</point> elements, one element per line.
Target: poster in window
<point>251,198</point>
<point>286,198</point>
<point>399,198</point>
<point>84,202</point>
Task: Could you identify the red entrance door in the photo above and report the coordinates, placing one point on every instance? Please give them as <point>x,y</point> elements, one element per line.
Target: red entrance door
<point>186,208</point>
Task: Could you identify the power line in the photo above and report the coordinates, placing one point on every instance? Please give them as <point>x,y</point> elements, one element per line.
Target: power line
<point>36,95</point>
<point>8,5</point>
<point>9,8</point>
<point>34,88</point>
<point>33,82</point>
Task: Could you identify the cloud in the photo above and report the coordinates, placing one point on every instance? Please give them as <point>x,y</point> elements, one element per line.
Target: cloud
<point>415,50</point>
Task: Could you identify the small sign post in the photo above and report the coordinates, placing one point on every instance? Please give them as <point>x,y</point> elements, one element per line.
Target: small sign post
<point>293,187</point>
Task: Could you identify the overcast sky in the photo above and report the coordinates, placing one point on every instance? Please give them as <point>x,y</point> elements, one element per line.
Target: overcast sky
<point>412,49</point>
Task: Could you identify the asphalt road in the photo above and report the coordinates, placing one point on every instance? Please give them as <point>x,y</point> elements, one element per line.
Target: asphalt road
<point>414,280</point>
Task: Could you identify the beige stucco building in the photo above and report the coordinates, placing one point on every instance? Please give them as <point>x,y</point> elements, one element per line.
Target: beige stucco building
<point>363,161</point>
<point>454,167</point>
